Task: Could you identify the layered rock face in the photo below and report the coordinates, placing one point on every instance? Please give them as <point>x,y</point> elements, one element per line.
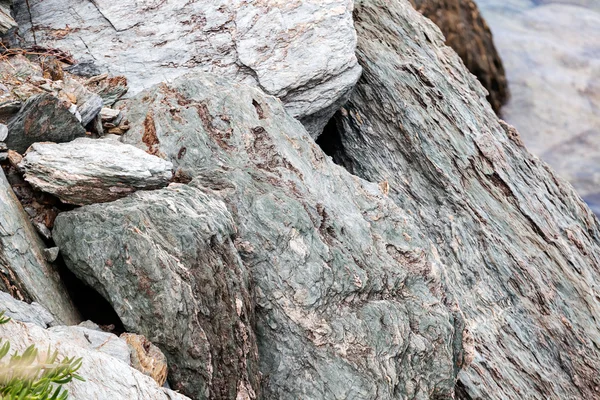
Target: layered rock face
<point>24,271</point>
<point>87,171</point>
<point>302,52</point>
<point>519,249</point>
<point>469,35</point>
<point>348,301</point>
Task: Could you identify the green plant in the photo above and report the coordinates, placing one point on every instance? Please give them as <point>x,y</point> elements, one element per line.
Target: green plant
<point>32,376</point>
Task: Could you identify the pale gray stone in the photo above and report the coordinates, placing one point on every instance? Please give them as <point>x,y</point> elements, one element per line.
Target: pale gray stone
<point>24,272</point>
<point>347,288</point>
<point>87,171</point>
<point>300,51</point>
<point>3,132</point>
<point>51,254</point>
<point>106,377</point>
<point>21,311</point>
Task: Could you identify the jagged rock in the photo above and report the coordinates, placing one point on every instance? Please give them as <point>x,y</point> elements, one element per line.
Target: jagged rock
<point>300,51</point>
<point>6,20</point>
<point>519,251</point>
<point>20,311</point>
<point>51,254</point>
<point>172,273</point>
<point>24,272</point>
<point>469,35</point>
<point>87,171</point>
<point>43,118</point>
<point>346,286</point>
<point>106,377</point>
<point>146,357</point>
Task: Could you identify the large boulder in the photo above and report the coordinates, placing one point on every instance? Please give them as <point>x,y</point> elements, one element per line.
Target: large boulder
<point>302,52</point>
<point>166,262</point>
<point>519,250</point>
<point>105,369</point>
<point>87,171</point>
<point>347,288</point>
<point>469,35</point>
<point>24,271</point>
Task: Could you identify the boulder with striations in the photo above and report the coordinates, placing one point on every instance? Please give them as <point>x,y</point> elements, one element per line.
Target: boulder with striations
<point>87,171</point>
<point>347,293</point>
<point>519,250</point>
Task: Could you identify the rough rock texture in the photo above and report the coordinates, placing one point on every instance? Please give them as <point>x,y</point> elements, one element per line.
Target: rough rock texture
<point>21,311</point>
<point>6,20</point>
<point>346,285</point>
<point>519,250</point>
<point>106,377</point>
<point>166,261</point>
<point>87,171</point>
<point>551,50</point>
<point>146,357</point>
<point>43,117</point>
<point>301,51</point>
<point>469,35</point>
<point>24,272</point>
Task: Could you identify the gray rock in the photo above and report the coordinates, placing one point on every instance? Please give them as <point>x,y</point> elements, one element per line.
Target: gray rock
<point>87,171</point>
<point>43,118</point>
<point>24,272</point>
<point>173,274</point>
<point>51,254</point>
<point>106,377</point>
<point>20,311</point>
<point>347,288</point>
<point>3,132</point>
<point>6,20</point>
<point>302,52</point>
<point>519,251</point>
<point>86,68</point>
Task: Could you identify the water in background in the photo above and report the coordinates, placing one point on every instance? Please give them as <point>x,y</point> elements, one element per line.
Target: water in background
<point>551,51</point>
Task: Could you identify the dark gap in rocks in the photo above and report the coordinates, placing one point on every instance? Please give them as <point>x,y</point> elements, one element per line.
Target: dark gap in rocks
<point>90,304</point>
<point>331,142</point>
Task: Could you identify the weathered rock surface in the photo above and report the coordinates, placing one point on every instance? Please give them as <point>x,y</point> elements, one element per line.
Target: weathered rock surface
<point>302,52</point>
<point>469,35</point>
<point>519,250</point>
<point>43,117</point>
<point>172,273</point>
<point>551,52</point>
<point>146,357</point>
<point>36,108</point>
<point>106,377</point>
<point>24,272</point>
<point>346,286</point>
<point>6,20</point>
<point>87,171</point>
<point>21,311</point>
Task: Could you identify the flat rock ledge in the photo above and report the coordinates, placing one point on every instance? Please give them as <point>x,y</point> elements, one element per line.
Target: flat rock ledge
<point>88,171</point>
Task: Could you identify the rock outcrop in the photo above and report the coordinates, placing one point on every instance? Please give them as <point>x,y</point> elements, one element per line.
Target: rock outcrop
<point>107,375</point>
<point>469,35</point>
<point>88,171</point>
<point>346,286</point>
<point>166,262</point>
<point>519,250</point>
<point>24,272</point>
<point>302,52</point>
